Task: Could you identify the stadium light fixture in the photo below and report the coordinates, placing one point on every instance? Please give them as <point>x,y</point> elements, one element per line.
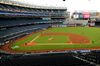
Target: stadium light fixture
<point>64,0</point>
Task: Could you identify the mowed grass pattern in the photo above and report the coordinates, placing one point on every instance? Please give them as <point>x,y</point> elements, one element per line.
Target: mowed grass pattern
<point>92,33</point>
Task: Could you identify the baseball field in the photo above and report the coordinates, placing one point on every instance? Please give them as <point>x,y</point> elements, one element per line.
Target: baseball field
<point>59,38</point>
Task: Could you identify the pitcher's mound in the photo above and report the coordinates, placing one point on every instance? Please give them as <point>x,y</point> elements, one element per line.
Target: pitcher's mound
<point>51,38</point>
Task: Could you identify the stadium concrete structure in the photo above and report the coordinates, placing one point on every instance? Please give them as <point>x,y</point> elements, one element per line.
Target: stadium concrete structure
<point>17,15</point>
<point>20,23</point>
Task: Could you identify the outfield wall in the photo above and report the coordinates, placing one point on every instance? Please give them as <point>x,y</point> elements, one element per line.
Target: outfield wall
<point>69,25</point>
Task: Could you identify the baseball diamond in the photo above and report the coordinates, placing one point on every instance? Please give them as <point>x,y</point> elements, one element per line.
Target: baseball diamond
<point>57,38</point>
<point>43,33</point>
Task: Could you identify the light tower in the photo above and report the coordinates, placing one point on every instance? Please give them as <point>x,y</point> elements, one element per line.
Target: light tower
<point>64,0</point>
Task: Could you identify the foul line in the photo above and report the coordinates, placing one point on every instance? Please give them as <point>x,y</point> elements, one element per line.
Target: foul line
<point>53,44</point>
<point>35,38</point>
<point>58,44</point>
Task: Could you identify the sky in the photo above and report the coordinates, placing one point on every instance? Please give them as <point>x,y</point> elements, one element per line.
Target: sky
<point>72,5</point>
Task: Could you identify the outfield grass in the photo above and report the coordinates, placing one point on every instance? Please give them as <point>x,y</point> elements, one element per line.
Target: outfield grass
<point>43,43</point>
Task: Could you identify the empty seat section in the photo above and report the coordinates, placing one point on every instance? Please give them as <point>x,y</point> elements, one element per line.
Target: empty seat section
<point>14,32</point>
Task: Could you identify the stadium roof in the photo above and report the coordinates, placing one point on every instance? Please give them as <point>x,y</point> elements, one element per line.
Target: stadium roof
<point>17,3</point>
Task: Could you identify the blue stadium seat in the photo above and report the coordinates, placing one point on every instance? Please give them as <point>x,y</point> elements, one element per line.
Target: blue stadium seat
<point>11,33</point>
